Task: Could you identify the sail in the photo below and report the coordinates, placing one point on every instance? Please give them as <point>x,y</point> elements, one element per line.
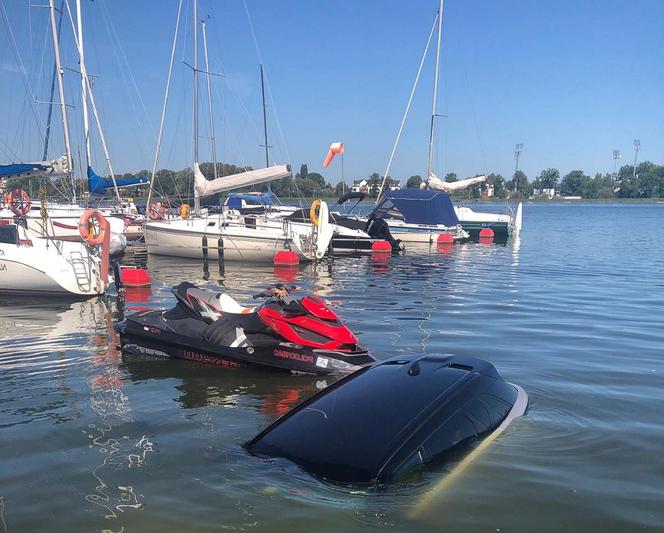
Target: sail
<point>55,167</point>
<point>205,187</point>
<point>98,185</point>
<point>436,183</point>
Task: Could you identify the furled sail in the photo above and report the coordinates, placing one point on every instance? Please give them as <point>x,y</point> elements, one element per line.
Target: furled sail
<point>55,167</point>
<point>98,185</point>
<point>205,187</point>
<point>436,183</point>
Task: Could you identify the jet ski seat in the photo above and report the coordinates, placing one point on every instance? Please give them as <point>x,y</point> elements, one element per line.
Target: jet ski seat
<point>217,302</point>
<point>228,304</point>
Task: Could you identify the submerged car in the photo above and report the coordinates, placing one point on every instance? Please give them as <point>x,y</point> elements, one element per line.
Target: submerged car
<point>387,420</point>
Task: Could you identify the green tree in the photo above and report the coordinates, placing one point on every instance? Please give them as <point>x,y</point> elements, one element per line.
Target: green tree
<point>339,189</point>
<point>519,185</point>
<point>304,171</point>
<point>451,177</point>
<point>318,178</point>
<point>498,183</point>
<point>414,182</point>
<point>373,182</point>
<point>576,183</point>
<point>548,179</point>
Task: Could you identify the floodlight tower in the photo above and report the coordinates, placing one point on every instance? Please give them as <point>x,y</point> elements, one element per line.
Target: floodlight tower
<point>517,154</point>
<point>616,157</point>
<point>637,146</point>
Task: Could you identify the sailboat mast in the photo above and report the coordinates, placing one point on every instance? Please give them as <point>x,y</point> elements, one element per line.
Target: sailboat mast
<point>61,92</point>
<point>266,146</point>
<point>84,88</point>
<point>88,93</point>
<point>197,200</point>
<point>209,95</point>
<point>435,90</point>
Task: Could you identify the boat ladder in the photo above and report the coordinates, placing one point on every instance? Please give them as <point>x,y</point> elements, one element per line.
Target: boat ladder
<point>81,271</point>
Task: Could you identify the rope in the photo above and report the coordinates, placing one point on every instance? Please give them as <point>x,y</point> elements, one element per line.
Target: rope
<point>410,101</point>
<point>24,76</point>
<point>163,110</point>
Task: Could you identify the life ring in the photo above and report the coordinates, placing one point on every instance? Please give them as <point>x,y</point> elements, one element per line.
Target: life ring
<point>184,211</point>
<point>18,202</point>
<point>156,211</point>
<point>92,227</point>
<point>313,215</point>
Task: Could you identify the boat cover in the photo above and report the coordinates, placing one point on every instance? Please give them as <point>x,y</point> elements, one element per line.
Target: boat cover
<point>418,206</point>
<point>234,200</point>
<point>99,185</point>
<point>56,167</point>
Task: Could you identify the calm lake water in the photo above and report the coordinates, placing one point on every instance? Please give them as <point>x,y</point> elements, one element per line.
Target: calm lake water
<point>574,313</point>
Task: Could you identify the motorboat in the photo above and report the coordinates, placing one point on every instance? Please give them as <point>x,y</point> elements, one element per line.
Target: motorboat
<point>385,422</point>
<point>414,216</point>
<point>211,327</point>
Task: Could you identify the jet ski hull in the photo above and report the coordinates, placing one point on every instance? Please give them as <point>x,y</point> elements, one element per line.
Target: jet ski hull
<point>147,333</point>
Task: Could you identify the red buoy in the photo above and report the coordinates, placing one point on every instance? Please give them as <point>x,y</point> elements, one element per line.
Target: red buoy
<point>381,247</point>
<point>286,257</point>
<point>445,238</point>
<point>135,277</point>
<point>486,234</point>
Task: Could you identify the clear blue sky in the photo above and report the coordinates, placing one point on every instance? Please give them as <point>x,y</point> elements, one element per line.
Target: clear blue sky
<point>572,80</point>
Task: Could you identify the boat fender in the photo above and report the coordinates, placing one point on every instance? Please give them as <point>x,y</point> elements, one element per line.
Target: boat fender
<point>156,211</point>
<point>92,226</point>
<point>313,214</point>
<point>184,211</point>
<point>18,202</point>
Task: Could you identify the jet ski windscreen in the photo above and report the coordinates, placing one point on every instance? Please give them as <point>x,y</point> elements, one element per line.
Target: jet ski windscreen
<point>366,426</point>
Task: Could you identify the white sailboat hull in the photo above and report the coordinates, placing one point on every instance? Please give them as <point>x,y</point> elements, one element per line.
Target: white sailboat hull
<point>65,268</point>
<point>185,238</point>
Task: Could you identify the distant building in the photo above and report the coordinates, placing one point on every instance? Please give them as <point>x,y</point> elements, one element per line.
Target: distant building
<point>360,186</point>
<point>394,185</point>
<point>487,191</point>
<point>549,193</point>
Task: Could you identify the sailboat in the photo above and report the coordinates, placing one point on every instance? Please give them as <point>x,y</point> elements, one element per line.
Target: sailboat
<point>435,211</point>
<point>229,234</point>
<point>61,220</point>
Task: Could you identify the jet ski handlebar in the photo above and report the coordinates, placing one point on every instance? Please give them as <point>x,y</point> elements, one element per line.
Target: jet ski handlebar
<point>280,292</point>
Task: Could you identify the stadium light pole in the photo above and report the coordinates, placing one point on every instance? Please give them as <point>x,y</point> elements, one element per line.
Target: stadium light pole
<point>616,157</point>
<point>637,146</point>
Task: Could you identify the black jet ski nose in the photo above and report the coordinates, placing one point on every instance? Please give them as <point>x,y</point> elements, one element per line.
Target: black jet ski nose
<point>391,418</point>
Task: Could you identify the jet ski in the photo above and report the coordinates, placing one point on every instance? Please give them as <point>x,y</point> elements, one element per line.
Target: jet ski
<point>386,421</point>
<point>301,336</point>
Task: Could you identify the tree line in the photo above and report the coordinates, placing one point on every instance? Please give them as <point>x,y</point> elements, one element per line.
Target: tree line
<point>646,182</point>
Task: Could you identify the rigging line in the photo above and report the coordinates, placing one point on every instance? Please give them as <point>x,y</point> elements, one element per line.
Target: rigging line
<point>166,94</point>
<point>127,80</point>
<point>24,76</point>
<point>126,62</point>
<point>269,92</point>
<point>410,101</point>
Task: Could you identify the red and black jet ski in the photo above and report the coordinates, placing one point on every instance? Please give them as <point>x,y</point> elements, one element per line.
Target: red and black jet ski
<point>211,327</point>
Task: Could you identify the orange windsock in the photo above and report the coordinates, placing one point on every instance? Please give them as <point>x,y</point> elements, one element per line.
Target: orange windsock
<point>335,148</point>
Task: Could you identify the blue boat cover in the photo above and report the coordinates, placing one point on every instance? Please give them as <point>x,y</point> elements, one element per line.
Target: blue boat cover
<point>17,169</point>
<point>418,206</point>
<point>98,185</point>
<point>234,200</point>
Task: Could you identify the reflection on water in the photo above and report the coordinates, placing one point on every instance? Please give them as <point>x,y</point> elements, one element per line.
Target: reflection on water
<point>92,440</point>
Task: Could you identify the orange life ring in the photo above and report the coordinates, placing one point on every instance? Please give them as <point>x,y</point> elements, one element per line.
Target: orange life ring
<point>313,214</point>
<point>18,202</point>
<point>92,226</point>
<point>156,211</point>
